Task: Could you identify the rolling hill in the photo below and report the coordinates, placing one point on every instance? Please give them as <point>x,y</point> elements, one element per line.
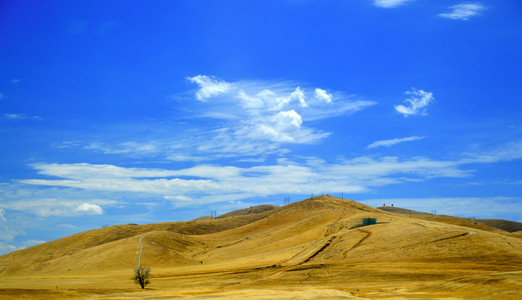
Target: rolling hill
<point>315,247</point>
<point>505,225</point>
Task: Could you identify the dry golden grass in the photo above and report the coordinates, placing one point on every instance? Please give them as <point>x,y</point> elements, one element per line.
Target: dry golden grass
<point>497,225</point>
<point>306,250</point>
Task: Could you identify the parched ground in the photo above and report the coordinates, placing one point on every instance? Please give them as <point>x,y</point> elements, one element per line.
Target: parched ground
<point>306,250</point>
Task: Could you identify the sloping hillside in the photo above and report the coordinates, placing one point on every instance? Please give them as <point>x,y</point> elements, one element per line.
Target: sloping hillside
<point>509,226</point>
<point>240,212</point>
<point>317,243</point>
<point>398,210</point>
<point>248,211</point>
<point>107,248</point>
<point>484,224</point>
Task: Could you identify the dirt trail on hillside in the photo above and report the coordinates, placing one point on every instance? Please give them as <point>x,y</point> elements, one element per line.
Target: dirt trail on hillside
<point>138,259</point>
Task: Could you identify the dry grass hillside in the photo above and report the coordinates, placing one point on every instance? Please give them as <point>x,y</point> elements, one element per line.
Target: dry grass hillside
<point>505,225</point>
<point>484,224</point>
<point>398,210</point>
<point>249,211</point>
<point>311,249</point>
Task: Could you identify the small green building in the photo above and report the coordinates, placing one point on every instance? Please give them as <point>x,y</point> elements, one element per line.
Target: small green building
<point>369,221</point>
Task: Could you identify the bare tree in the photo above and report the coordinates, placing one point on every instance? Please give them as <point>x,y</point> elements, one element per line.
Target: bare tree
<point>141,276</point>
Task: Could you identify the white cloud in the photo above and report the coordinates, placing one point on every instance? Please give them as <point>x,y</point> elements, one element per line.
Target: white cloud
<point>209,86</point>
<point>389,3</point>
<point>299,95</point>
<point>323,95</point>
<point>391,142</point>
<point>264,113</point>
<point>416,104</point>
<point>90,209</point>
<point>284,127</point>
<point>463,11</point>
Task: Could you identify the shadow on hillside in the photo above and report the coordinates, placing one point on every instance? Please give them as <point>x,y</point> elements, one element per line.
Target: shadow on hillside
<point>366,225</point>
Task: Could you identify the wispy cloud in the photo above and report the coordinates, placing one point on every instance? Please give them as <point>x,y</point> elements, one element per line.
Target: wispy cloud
<point>131,147</point>
<point>2,215</point>
<point>7,247</point>
<point>209,86</point>
<point>15,116</point>
<point>389,3</point>
<point>8,231</point>
<point>391,142</point>
<point>506,152</point>
<point>248,119</point>
<point>276,112</point>
<point>50,202</point>
<point>323,95</point>
<point>356,175</point>
<point>213,183</point>
<point>463,11</point>
<point>89,208</point>
<point>19,117</point>
<point>416,104</point>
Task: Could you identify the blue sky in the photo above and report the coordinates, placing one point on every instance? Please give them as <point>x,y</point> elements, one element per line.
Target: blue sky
<point>115,112</point>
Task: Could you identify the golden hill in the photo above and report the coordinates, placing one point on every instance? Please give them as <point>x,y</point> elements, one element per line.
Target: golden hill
<point>309,249</point>
<point>484,224</point>
<point>240,212</point>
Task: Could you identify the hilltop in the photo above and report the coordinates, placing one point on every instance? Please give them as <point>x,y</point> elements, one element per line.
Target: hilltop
<point>315,247</point>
